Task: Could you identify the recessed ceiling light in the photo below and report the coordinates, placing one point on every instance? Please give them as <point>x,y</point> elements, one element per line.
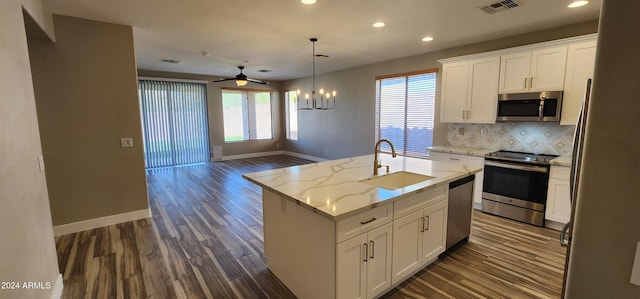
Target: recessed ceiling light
<point>575,4</point>
<point>427,39</point>
<point>308,1</point>
<point>379,24</point>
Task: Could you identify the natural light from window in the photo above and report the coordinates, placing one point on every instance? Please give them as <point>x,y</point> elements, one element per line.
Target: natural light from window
<point>404,112</point>
<point>291,99</point>
<point>247,115</point>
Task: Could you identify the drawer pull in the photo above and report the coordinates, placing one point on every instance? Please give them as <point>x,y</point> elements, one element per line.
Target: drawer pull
<point>368,221</point>
<point>454,159</point>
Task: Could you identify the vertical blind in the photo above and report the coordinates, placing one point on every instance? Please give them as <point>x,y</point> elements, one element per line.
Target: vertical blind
<point>405,112</point>
<point>174,121</point>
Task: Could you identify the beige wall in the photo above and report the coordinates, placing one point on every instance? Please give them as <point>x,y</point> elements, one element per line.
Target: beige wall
<point>28,250</point>
<point>214,101</point>
<point>348,130</point>
<point>86,95</point>
<point>607,223</point>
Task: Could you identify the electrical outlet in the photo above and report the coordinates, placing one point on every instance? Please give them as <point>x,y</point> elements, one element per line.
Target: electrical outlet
<point>126,142</point>
<point>461,131</point>
<point>483,132</point>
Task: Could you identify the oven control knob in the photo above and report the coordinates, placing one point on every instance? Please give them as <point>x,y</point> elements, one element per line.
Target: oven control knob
<point>536,159</point>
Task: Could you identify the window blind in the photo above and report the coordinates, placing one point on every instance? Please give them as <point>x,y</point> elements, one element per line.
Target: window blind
<point>405,112</point>
<point>174,122</point>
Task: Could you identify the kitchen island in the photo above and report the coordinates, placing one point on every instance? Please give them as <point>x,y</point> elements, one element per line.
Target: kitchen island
<point>333,230</point>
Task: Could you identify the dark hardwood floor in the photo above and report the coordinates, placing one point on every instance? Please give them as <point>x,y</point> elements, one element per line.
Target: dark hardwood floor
<point>205,241</point>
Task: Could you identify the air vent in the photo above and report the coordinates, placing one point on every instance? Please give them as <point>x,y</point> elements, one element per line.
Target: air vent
<point>170,60</point>
<point>500,6</point>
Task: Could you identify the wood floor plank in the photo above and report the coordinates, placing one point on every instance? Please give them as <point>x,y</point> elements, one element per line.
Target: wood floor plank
<point>205,240</point>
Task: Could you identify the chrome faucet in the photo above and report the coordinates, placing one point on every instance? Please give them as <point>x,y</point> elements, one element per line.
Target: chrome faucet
<point>376,161</point>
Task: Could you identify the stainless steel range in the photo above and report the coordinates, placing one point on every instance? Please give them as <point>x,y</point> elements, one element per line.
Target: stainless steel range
<point>515,185</point>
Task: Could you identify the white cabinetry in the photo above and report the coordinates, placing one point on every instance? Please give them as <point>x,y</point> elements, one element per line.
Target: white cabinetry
<point>538,69</point>
<point>419,236</point>
<point>469,90</point>
<point>467,161</point>
<point>580,61</point>
<point>364,264</point>
<point>558,207</point>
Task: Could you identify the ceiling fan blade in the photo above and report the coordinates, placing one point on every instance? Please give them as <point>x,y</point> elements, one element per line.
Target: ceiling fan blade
<point>222,80</point>
<point>258,81</point>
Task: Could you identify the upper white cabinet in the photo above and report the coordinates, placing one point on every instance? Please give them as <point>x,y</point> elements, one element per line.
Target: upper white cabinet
<point>469,90</point>
<point>580,61</point>
<point>537,69</point>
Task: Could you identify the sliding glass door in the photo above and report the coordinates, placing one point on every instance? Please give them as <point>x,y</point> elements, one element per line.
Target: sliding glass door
<point>174,121</point>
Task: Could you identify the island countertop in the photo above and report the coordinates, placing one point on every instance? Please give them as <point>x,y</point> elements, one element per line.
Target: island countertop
<point>333,188</point>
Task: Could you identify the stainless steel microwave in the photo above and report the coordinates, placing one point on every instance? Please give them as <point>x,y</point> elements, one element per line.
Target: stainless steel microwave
<point>530,106</point>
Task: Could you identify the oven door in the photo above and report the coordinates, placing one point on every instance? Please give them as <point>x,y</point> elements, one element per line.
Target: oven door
<point>516,184</point>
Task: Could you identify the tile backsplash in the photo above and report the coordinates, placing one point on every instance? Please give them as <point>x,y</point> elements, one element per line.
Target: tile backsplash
<point>532,137</point>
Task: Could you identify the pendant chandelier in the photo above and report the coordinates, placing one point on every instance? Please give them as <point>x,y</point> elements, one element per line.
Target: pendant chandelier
<point>318,100</point>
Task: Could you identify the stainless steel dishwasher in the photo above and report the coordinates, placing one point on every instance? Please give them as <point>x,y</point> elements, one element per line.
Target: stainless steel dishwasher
<point>460,206</point>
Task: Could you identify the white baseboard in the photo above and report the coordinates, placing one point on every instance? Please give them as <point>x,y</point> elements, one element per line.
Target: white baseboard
<point>303,156</point>
<point>57,288</point>
<point>79,226</point>
<point>251,155</point>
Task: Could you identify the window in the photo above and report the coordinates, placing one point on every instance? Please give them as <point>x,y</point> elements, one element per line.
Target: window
<point>247,115</point>
<point>404,112</point>
<point>174,122</point>
<point>291,100</point>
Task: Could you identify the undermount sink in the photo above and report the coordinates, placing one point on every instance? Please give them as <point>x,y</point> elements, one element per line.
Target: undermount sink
<point>396,180</point>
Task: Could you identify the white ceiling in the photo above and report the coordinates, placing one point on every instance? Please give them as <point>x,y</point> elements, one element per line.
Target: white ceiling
<point>274,34</point>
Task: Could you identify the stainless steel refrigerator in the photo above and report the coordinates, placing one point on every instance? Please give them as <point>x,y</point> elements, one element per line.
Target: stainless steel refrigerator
<point>576,160</point>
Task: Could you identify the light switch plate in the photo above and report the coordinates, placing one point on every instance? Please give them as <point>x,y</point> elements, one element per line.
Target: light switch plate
<point>126,142</point>
<point>635,271</point>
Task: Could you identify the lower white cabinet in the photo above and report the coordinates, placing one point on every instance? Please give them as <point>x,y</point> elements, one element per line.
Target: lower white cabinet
<point>418,238</point>
<point>558,206</point>
<point>364,264</point>
<point>466,160</point>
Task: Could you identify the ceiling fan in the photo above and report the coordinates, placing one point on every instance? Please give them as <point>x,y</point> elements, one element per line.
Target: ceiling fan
<point>241,79</point>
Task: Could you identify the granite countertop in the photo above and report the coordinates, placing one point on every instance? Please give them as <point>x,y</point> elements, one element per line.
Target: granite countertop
<point>333,188</point>
<point>561,161</point>
<point>461,150</point>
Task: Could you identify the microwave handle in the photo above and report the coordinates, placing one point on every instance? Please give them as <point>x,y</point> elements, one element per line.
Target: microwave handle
<point>541,108</point>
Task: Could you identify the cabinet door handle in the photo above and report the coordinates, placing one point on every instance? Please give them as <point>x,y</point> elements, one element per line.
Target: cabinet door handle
<point>462,114</point>
<point>531,82</point>
<point>373,249</point>
<point>427,223</point>
<point>422,224</point>
<point>368,221</point>
<point>366,251</point>
<point>525,82</point>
